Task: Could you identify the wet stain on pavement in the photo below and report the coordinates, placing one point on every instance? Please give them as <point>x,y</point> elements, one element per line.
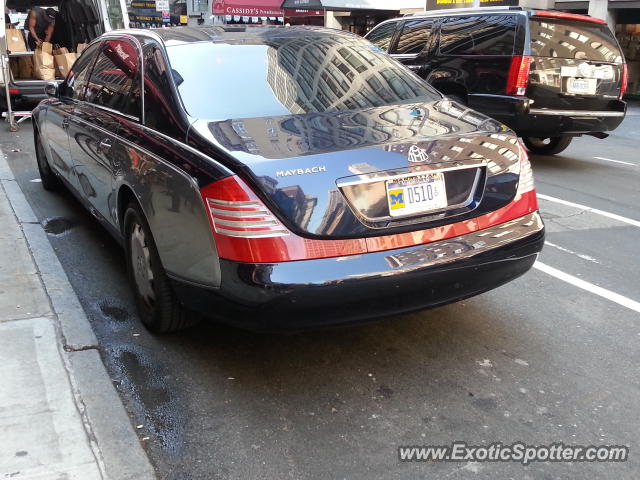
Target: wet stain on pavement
<point>154,402</point>
<point>57,225</point>
<point>21,453</point>
<point>114,312</point>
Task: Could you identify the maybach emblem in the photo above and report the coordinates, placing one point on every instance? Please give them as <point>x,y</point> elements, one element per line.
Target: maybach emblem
<point>417,154</point>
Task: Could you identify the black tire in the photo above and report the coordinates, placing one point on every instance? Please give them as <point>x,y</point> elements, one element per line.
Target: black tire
<point>547,145</point>
<point>50,181</point>
<point>159,309</point>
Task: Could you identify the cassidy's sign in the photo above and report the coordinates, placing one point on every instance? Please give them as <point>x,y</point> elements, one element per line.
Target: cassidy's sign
<point>439,4</point>
<point>222,8</point>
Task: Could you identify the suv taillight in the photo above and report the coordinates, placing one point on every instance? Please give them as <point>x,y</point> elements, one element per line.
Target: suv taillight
<point>518,77</point>
<point>623,81</point>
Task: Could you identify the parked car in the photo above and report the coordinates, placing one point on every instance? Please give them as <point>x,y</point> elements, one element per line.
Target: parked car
<point>549,76</point>
<point>278,177</point>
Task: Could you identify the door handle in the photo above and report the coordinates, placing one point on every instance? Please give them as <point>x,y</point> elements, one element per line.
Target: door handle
<point>104,145</point>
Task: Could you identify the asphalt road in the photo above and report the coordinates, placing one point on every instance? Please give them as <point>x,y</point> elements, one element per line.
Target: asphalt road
<point>543,359</point>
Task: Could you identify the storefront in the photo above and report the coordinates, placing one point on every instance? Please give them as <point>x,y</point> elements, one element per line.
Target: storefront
<point>157,13</point>
<point>357,16</point>
<point>263,12</point>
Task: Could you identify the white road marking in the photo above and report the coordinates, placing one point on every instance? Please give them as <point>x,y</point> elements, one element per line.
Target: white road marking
<point>620,218</point>
<point>615,161</point>
<point>566,250</point>
<point>589,287</point>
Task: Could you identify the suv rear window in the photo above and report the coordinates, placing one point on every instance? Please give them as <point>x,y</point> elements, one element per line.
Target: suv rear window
<point>573,39</point>
<point>478,35</point>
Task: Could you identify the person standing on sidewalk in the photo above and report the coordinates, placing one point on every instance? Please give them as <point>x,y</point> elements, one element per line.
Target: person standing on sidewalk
<point>40,23</point>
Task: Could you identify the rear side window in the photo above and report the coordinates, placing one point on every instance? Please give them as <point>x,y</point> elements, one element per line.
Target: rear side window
<point>478,35</point>
<point>573,39</point>
<point>115,80</point>
<point>381,36</point>
<point>79,75</point>
<point>414,36</point>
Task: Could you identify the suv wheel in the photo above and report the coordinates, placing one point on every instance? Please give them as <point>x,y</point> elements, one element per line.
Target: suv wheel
<point>49,179</point>
<point>547,145</point>
<point>158,307</point>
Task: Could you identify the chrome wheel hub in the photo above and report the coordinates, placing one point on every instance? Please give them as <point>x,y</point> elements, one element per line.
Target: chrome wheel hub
<point>141,263</point>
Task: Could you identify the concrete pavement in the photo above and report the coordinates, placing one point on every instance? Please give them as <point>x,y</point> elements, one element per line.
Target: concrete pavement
<point>60,416</point>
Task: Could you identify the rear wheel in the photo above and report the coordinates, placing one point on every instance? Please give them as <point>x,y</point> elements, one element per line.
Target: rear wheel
<point>49,179</point>
<point>547,145</point>
<point>158,307</point>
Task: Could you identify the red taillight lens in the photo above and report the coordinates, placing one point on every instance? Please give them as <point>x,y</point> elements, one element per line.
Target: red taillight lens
<point>623,81</point>
<point>518,78</point>
<point>246,231</point>
<point>525,183</point>
<point>568,16</point>
<point>14,91</point>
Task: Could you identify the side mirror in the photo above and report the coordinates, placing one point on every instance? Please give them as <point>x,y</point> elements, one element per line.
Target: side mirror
<point>51,89</point>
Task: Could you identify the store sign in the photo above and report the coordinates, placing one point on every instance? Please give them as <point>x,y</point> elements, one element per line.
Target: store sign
<point>440,4</point>
<point>220,8</point>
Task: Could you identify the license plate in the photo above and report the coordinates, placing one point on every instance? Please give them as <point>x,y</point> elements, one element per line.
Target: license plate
<point>416,194</point>
<point>582,85</point>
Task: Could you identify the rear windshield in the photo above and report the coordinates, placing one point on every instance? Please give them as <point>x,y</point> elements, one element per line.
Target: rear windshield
<point>573,39</point>
<point>219,81</point>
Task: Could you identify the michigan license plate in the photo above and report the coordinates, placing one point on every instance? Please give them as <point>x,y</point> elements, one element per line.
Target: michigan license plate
<point>416,194</point>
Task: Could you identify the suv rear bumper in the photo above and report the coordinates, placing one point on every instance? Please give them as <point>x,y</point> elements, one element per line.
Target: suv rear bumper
<point>333,291</point>
<point>522,116</point>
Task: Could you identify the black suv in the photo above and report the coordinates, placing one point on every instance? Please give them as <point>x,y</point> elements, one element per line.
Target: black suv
<point>550,76</point>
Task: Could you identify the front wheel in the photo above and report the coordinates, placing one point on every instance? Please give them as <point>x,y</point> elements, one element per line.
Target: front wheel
<point>547,145</point>
<point>158,307</point>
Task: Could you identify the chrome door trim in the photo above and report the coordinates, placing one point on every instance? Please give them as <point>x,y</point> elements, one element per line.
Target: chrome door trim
<point>575,113</point>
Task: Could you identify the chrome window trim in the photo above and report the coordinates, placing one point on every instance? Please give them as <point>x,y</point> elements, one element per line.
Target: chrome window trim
<point>575,113</point>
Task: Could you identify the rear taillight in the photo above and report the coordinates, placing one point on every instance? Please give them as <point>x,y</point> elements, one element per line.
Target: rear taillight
<point>623,81</point>
<point>245,230</point>
<point>525,182</point>
<point>567,16</point>
<point>518,77</point>
<point>14,91</point>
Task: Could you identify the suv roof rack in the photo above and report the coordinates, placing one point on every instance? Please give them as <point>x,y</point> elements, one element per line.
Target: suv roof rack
<point>446,11</point>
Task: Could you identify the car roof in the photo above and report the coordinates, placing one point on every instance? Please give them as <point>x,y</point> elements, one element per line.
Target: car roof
<point>233,33</point>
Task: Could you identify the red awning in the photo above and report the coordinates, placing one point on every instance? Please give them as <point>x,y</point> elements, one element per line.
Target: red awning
<point>248,8</point>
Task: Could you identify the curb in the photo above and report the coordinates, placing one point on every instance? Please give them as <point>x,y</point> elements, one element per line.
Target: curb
<point>113,439</point>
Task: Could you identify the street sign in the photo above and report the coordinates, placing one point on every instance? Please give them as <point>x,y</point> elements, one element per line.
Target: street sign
<point>166,16</point>
<point>162,5</point>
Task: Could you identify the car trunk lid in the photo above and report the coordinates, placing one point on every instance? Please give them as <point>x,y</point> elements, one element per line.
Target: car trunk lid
<point>372,171</point>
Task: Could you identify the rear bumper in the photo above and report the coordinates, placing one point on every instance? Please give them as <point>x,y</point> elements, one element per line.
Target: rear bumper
<point>525,118</point>
<point>333,291</point>
<point>31,92</point>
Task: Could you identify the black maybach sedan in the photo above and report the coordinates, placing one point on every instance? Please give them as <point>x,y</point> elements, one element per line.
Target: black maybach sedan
<point>285,177</point>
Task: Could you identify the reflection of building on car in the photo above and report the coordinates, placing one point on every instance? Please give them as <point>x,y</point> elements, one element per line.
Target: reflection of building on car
<point>549,76</point>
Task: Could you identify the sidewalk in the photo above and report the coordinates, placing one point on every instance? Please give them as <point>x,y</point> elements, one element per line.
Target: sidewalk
<point>60,416</point>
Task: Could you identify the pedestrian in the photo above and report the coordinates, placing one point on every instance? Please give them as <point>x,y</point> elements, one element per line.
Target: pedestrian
<point>40,23</point>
